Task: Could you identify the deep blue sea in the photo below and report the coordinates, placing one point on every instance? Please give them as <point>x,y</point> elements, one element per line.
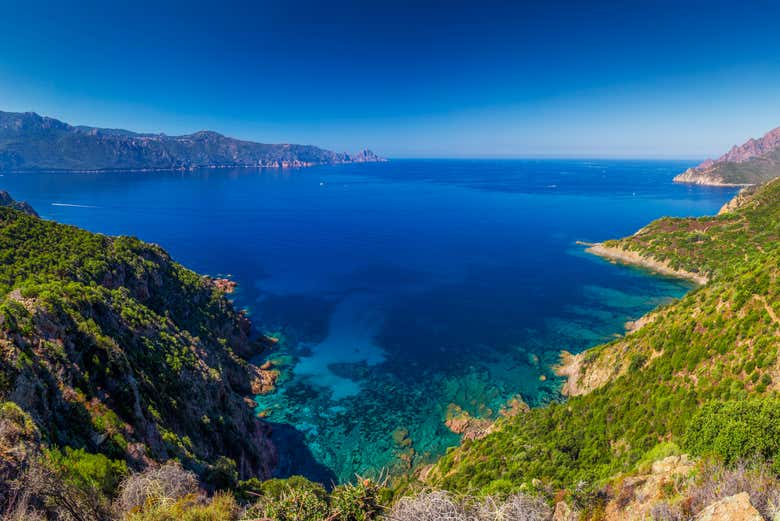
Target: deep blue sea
<point>397,289</point>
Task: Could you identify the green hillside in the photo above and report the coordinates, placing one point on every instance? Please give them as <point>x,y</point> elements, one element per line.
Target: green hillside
<point>111,347</point>
<point>754,171</point>
<point>113,359</point>
<point>717,345</point>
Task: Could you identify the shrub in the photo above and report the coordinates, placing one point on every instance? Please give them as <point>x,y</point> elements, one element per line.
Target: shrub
<point>88,471</point>
<point>292,504</point>
<point>517,507</point>
<point>356,502</point>
<point>166,483</point>
<point>45,487</point>
<point>441,506</point>
<point>223,474</point>
<point>736,430</point>
<point>222,507</point>
<point>429,506</point>
<point>275,488</point>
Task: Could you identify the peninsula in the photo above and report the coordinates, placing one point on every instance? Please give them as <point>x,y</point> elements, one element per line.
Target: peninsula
<point>30,142</point>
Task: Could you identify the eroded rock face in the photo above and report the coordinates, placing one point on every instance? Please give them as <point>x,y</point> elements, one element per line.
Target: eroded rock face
<point>563,512</point>
<point>751,148</point>
<point>636,496</point>
<point>135,357</point>
<point>743,198</point>
<point>7,200</point>
<point>753,161</point>
<point>732,508</point>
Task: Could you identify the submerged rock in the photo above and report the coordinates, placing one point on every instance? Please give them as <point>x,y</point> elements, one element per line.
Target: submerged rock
<point>401,437</point>
<point>461,422</point>
<point>514,407</point>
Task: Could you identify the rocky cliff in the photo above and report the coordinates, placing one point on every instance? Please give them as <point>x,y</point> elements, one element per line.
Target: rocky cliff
<point>32,142</point>
<point>110,346</point>
<point>8,201</point>
<point>754,162</point>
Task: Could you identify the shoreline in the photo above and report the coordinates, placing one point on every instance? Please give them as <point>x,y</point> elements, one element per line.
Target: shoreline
<point>570,365</point>
<point>630,258</point>
<point>285,165</point>
<point>713,183</point>
<point>705,177</point>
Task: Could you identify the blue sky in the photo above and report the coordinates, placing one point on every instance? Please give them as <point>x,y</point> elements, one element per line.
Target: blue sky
<point>430,79</point>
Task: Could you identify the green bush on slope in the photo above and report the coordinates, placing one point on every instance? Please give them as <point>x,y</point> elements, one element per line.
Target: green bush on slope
<point>736,431</point>
<point>113,348</point>
<point>719,343</point>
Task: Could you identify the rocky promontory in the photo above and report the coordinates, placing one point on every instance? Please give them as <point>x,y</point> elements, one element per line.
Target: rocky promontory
<point>7,200</point>
<point>754,162</point>
<point>625,256</point>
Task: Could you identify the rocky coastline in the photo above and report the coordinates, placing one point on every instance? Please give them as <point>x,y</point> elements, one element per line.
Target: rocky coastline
<point>705,177</point>
<point>264,165</point>
<point>581,377</point>
<point>224,285</point>
<point>623,256</point>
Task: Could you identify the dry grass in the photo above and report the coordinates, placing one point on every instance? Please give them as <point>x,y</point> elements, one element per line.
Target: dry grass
<point>716,482</point>
<point>441,506</point>
<point>162,484</point>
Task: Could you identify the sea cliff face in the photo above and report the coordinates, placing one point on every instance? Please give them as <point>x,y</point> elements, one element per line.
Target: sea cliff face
<point>704,176</point>
<point>109,345</point>
<point>754,162</point>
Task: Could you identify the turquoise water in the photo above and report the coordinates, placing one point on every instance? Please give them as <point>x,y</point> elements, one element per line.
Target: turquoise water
<point>398,289</point>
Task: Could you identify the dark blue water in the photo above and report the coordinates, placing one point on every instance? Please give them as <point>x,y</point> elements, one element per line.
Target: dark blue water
<point>398,289</point>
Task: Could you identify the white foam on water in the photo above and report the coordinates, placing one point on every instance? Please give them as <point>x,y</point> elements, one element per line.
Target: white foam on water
<point>74,205</point>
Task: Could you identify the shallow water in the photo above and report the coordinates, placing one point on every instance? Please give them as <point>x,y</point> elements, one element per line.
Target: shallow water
<point>398,289</point>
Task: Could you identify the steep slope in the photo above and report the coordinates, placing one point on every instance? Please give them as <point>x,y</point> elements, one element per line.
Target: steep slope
<point>717,345</point>
<point>111,346</point>
<point>754,162</point>
<point>7,200</point>
<point>32,142</point>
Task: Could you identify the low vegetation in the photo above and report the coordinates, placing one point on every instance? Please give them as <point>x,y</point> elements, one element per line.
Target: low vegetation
<point>123,376</point>
<point>714,348</point>
<point>113,349</point>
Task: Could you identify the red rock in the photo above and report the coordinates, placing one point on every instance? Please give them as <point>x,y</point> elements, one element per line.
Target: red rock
<point>750,149</point>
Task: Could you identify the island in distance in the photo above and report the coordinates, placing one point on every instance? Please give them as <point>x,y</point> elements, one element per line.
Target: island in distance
<point>30,142</point>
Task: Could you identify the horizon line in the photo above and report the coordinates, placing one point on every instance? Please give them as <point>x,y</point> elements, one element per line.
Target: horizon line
<point>552,157</point>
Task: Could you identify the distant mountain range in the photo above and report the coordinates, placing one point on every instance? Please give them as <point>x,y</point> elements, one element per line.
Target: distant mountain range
<point>754,162</point>
<point>29,141</point>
